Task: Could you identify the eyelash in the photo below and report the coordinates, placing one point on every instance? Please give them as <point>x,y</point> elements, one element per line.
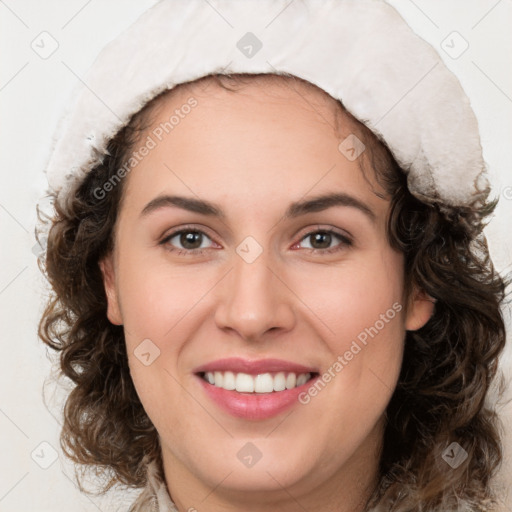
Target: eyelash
<point>345,242</point>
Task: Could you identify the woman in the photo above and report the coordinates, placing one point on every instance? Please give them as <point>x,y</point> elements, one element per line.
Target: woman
<point>272,290</point>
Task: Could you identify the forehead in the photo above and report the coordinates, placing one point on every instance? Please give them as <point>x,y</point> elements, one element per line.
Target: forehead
<point>267,139</point>
<point>285,94</point>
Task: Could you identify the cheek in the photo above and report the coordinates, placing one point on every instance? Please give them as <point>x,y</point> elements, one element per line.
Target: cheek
<point>360,312</point>
<point>160,306</point>
<point>356,297</point>
<point>156,297</point>
<point>157,303</point>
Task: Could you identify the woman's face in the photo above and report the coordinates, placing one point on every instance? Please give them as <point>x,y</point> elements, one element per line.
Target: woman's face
<point>251,251</point>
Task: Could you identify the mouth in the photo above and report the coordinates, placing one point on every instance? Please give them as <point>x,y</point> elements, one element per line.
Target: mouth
<point>270,382</point>
<point>254,390</point>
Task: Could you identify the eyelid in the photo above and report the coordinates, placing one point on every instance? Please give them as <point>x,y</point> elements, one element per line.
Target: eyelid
<point>310,230</point>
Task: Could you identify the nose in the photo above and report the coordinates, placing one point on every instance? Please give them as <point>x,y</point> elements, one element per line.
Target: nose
<point>254,300</point>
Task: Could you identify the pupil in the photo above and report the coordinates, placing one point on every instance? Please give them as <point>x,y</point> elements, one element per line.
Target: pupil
<point>191,239</point>
<point>321,239</point>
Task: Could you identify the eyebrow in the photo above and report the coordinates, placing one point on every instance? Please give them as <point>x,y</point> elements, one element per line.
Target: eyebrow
<point>296,209</point>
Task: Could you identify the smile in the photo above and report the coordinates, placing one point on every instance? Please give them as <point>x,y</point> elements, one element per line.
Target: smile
<point>261,383</point>
<point>254,390</point>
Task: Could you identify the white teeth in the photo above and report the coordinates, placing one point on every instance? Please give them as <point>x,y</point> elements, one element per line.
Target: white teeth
<point>261,383</point>
<point>279,382</point>
<point>229,381</point>
<point>302,379</point>
<point>244,383</point>
<point>264,383</point>
<point>291,381</point>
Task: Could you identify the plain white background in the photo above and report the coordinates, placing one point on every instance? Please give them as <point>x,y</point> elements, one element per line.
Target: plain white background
<point>33,93</point>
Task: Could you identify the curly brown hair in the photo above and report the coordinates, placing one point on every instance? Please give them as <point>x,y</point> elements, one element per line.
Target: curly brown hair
<point>447,369</point>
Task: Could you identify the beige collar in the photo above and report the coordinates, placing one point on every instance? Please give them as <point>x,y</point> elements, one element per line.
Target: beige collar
<point>154,497</point>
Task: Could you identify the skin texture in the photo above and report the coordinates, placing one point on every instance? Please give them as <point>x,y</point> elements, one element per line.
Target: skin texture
<point>253,152</point>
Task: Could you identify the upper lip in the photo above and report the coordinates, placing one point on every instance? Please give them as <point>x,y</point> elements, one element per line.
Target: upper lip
<point>254,367</point>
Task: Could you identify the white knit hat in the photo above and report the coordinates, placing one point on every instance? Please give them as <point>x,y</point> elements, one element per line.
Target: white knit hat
<point>361,52</point>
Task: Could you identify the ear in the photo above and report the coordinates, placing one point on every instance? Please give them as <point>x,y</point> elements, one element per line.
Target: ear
<point>421,308</point>
<point>107,269</point>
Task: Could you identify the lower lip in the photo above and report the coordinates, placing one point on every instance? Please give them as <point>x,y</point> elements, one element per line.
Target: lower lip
<point>254,406</point>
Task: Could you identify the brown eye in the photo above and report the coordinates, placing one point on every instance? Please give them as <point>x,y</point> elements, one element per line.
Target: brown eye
<point>187,240</point>
<point>321,240</point>
<point>190,239</point>
<point>325,241</point>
